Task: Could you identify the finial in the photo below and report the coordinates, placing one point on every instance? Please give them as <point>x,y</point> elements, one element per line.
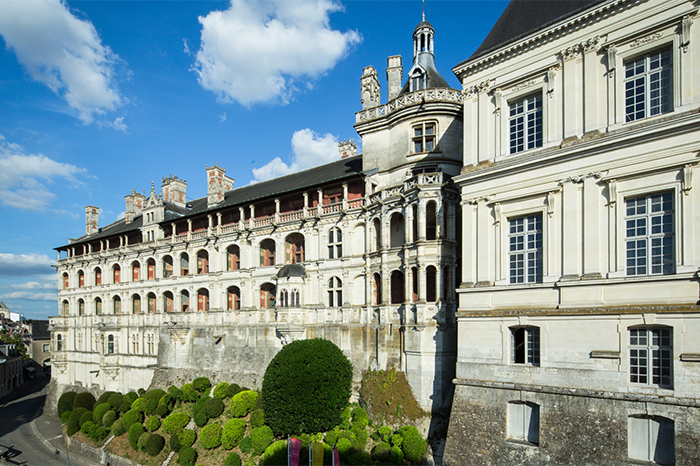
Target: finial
<point>152,187</point>
<point>423,10</point>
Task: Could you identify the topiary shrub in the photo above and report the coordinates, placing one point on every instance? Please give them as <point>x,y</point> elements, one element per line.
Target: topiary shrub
<point>152,423</point>
<point>345,418</point>
<point>141,391</point>
<point>65,403</point>
<point>257,418</point>
<point>118,428</point>
<point>74,420</point>
<point>175,422</point>
<point>246,444</point>
<point>361,438</point>
<point>200,417</point>
<point>381,452</point>
<point>344,446</point>
<point>331,437</point>
<point>187,437</point>
<point>396,455</point>
<point>385,433</point>
<point>115,400</point>
<point>151,400</point>
<point>413,445</point>
<point>262,437</point>
<point>175,442</point>
<point>210,436</point>
<point>130,417</point>
<point>167,400</point>
<point>232,390</point>
<point>189,393</point>
<point>138,404</point>
<point>89,428</point>
<point>359,457</point>
<point>99,412</point>
<point>154,444</point>
<point>134,433</point>
<point>162,410</point>
<point>232,433</point>
<point>396,440</point>
<point>141,443</point>
<point>220,390</point>
<point>202,385</point>
<point>65,417</point>
<point>84,400</point>
<point>243,403</point>
<point>360,420</point>
<point>100,434</point>
<point>214,407</point>
<point>175,392</point>
<point>306,387</point>
<point>109,418</point>
<point>276,454</point>
<point>104,398</point>
<point>233,459</point>
<point>187,456</point>
<point>127,401</point>
<point>87,416</point>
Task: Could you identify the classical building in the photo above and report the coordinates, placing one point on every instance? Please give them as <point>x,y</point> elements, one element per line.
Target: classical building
<point>578,322</point>
<point>362,251</point>
<point>41,345</point>
<point>11,369</point>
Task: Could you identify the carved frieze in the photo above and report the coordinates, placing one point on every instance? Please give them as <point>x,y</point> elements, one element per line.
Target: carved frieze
<point>646,39</point>
<point>580,48</point>
<point>579,178</point>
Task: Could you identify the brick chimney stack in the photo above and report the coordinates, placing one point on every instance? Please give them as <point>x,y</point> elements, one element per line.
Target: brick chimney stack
<point>347,148</point>
<point>394,75</point>
<point>134,205</point>
<point>92,214</point>
<point>217,184</point>
<point>174,190</point>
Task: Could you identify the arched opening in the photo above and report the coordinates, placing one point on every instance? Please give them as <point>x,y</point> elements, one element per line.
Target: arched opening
<point>233,258</point>
<point>81,279</point>
<point>184,301</point>
<point>295,298</point>
<point>136,304</point>
<point>294,248</point>
<point>59,342</point>
<point>430,289</point>
<point>335,243</point>
<point>397,287</point>
<point>335,292</point>
<point>81,307</point>
<point>283,299</point>
<point>203,300</point>
<point>202,262</point>
<point>151,303</point>
<point>233,295</point>
<point>98,306</point>
<point>268,296</point>
<point>117,305</point>
<point>64,308</point>
<point>168,301</point>
<point>135,271</point>
<point>431,221</point>
<point>66,281</point>
<point>98,276</point>
<point>415,221</point>
<point>116,274</point>
<point>267,253</point>
<point>151,269</point>
<point>184,264</point>
<point>167,267</point>
<point>377,233</point>
<point>110,344</point>
<point>414,284</point>
<point>377,289</point>
<point>397,233</point>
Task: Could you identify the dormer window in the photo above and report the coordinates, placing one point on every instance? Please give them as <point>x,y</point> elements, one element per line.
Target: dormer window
<point>423,137</point>
<point>417,81</point>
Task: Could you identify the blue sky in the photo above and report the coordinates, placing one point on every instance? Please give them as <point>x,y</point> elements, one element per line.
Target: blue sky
<point>100,97</point>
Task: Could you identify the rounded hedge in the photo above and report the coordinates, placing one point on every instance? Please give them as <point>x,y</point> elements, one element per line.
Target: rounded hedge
<point>135,432</point>
<point>214,407</point>
<point>187,456</point>
<point>381,452</point>
<point>385,433</point>
<point>65,403</point>
<point>141,443</point>
<point>233,459</point>
<point>175,392</point>
<point>232,390</point>
<point>246,444</point>
<point>187,437</point>
<point>154,444</point>
<point>360,420</point>
<point>115,400</point>
<point>175,422</point>
<point>189,393</point>
<point>200,417</point>
<point>130,417</point>
<point>396,455</point>
<point>232,433</point>
<point>118,428</point>
<point>152,423</point>
<point>104,398</point>
<point>99,412</point>
<point>261,437</point>
<point>257,418</point>
<point>243,402</point>
<point>84,400</point>
<point>202,385</point>
<point>276,454</point>
<point>151,399</point>
<point>220,390</point>
<point>162,410</point>
<point>109,418</point>
<point>175,442</point>
<point>344,446</point>
<point>306,387</point>
<point>65,417</point>
<point>210,436</point>
<point>413,445</point>
<point>74,421</point>
<point>87,416</point>
<point>141,391</point>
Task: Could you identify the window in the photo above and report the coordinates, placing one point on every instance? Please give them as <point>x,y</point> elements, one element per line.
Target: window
<point>116,274</point>
<point>202,262</point>
<point>650,438</point>
<point>203,300</point>
<point>376,289</point>
<point>98,306</point>
<point>136,304</point>
<point>168,301</point>
<point>167,267</point>
<point>525,344</point>
<point>151,269</point>
<point>423,137</point>
<point>151,303</point>
<point>117,305</point>
<point>59,342</point>
<point>65,281</point>
<point>267,253</point>
<point>185,301</point>
<point>335,292</point>
<point>649,234</point>
<point>417,80</point>
<point>524,422</point>
<point>45,348</point>
<point>135,271</point>
<point>65,308</point>
<point>525,249</point>
<point>135,343</point>
<point>335,243</point>
<point>268,293</point>
<point>430,284</point>
<point>648,85</point>
<point>98,276</point>
<point>234,298</point>
<point>397,287</point>
<point>81,279</point>
<point>294,246</point>
<point>151,346</point>
<point>397,235</point>
<point>81,307</point>
<point>431,221</point>
<point>526,124</point>
<point>110,344</point>
<point>184,264</point>
<point>233,258</point>
<point>651,354</point>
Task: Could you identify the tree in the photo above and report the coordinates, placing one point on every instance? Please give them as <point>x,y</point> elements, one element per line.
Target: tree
<point>15,339</point>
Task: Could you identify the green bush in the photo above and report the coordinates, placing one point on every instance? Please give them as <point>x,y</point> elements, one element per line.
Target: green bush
<point>246,444</point>
<point>65,417</point>
<point>104,398</point>
<point>257,418</point>
<point>141,443</point>
<point>109,418</point>
<point>175,392</point>
<point>74,421</point>
<point>152,423</point>
<point>87,416</point>
<point>232,390</point>
<point>243,403</point>
<point>118,428</point>
<point>200,417</point>
<point>220,390</point>
<point>345,418</point>
<point>189,393</point>
<point>262,437</point>
<point>167,400</point>
<point>162,410</point>
<point>65,403</point>
<point>115,400</point>
<point>99,412</point>
<point>101,434</point>
<point>276,454</point>
<point>175,442</point>
<point>360,420</point>
<point>214,407</point>
<point>134,433</point>
<point>396,440</point>
<point>187,437</point>
<point>396,455</point>
<point>361,438</point>
<point>359,458</point>
<point>331,437</point>
<point>344,446</point>
<point>233,433</point>
<point>84,400</point>
<point>138,404</point>
<point>202,385</point>
<point>141,391</point>
<point>154,444</point>
<point>306,387</point>
<point>127,401</point>
<point>233,459</point>
<point>385,433</point>
<point>89,428</point>
<point>130,417</point>
<point>151,399</point>
<point>381,452</point>
<point>210,436</point>
<point>413,445</point>
<point>187,456</point>
<point>175,422</point>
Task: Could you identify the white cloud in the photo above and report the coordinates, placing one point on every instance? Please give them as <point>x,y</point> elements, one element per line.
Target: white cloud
<point>15,265</point>
<point>222,117</point>
<point>117,124</point>
<point>23,177</point>
<point>187,47</point>
<point>257,51</point>
<point>49,284</point>
<point>29,296</point>
<point>309,150</point>
<point>62,52</point>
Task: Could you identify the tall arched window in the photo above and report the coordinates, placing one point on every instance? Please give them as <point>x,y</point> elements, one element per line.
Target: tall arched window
<point>294,248</point>
<point>268,296</point>
<point>233,298</point>
<point>167,266</point>
<point>135,271</point>
<point>168,301</point>
<point>98,306</point>
<point>81,307</point>
<point>202,262</point>
<point>377,289</point>
<point>136,304</point>
<point>415,222</point>
<point>116,274</point>
<point>117,305</point>
<point>203,300</point>
<point>233,258</point>
<point>267,253</point>
<point>59,342</point>
<point>284,299</point>
<point>430,291</point>
<point>81,279</point>
<point>184,301</point>
<point>184,264</point>
<point>335,243</point>
<point>335,292</point>
<point>98,276</point>
<point>65,308</point>
<point>377,230</point>
<point>151,269</point>
<point>151,303</point>
<point>397,288</point>
<point>414,284</point>
<point>110,344</point>
<point>295,298</point>
<point>398,236</point>
<point>431,221</point>
<point>66,281</point>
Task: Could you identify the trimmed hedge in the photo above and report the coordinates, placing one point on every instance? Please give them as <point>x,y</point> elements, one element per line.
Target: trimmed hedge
<point>175,392</point>
<point>396,456</point>
<point>257,418</point>
<point>187,437</point>
<point>189,393</point>
<point>65,403</point>
<point>232,433</point>
<point>151,399</point>
<point>74,421</point>
<point>135,432</point>
<point>65,417</point>
<point>175,442</point>
<point>233,459</point>
<point>262,437</point>
<point>141,443</point>
<point>246,444</point>
<point>84,400</point>
<point>115,400</point>
<point>175,422</point>
<point>413,445</point>
<point>104,398</point>
<point>154,444</point>
<point>109,418</point>
<point>99,412</point>
<point>275,454</point>
<point>87,416</point>
<point>243,403</point>
<point>306,387</point>
<point>220,390</point>
<point>360,420</point>
<point>381,452</point>
<point>187,456</point>
<point>130,417</point>
<point>210,436</point>
<point>214,407</point>
<point>152,423</point>
<point>202,385</point>
<point>118,428</point>
<point>232,390</point>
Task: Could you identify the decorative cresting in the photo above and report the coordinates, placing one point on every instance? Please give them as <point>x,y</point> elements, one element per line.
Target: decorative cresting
<point>407,100</point>
<point>422,179</point>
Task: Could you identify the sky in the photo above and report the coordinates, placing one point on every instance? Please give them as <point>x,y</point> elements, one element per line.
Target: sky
<point>101,97</point>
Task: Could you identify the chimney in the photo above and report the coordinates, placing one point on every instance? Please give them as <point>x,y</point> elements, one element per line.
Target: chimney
<point>91,218</point>
<point>174,190</point>
<point>134,205</point>
<point>369,87</point>
<point>217,184</point>
<point>394,75</point>
<point>347,148</point>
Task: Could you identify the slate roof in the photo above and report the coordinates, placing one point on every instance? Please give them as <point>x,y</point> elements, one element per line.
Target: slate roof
<point>243,196</point>
<point>292,270</point>
<point>40,330</point>
<point>524,17</point>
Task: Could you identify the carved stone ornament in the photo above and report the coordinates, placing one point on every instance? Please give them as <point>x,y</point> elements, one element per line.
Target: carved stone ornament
<point>524,85</point>
<point>111,372</point>
<point>497,212</point>
<point>686,22</point>
<point>612,57</point>
<point>551,73</point>
<point>646,39</point>
<point>687,179</point>
<point>551,197</point>
<point>370,88</point>
<point>577,49</point>
<point>579,178</point>
<point>498,98</point>
<point>612,192</point>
